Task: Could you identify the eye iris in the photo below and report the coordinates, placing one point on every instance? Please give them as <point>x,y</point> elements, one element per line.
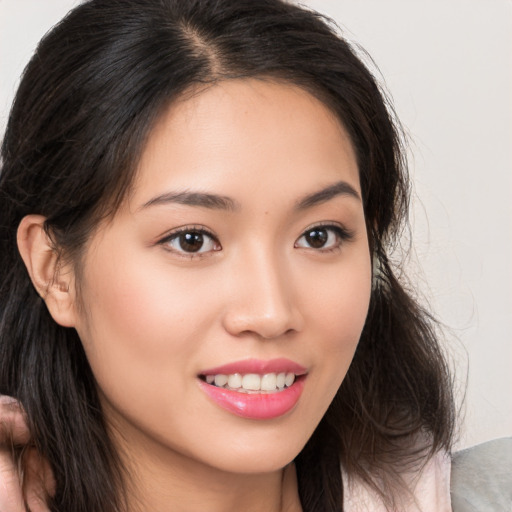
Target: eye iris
<point>191,241</point>
<point>317,238</point>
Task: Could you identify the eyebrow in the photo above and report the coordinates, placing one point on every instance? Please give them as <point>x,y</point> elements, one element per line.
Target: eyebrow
<point>218,202</point>
<point>340,188</point>
<point>202,199</point>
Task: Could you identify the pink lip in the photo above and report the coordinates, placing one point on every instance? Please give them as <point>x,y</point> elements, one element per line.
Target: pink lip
<point>260,406</point>
<point>257,406</point>
<point>257,366</point>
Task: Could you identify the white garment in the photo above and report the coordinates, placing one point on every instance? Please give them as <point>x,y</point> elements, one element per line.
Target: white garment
<point>430,490</point>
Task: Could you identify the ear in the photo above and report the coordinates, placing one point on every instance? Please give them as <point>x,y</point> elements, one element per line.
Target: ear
<point>52,280</point>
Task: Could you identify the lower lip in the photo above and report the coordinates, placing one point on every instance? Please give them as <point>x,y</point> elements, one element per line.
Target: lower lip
<point>256,406</point>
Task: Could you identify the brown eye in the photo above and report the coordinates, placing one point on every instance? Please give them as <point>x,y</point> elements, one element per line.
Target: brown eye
<point>324,237</point>
<point>191,241</point>
<point>316,238</point>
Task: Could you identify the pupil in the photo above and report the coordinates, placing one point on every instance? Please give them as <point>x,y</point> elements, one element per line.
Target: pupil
<point>317,238</point>
<point>191,242</point>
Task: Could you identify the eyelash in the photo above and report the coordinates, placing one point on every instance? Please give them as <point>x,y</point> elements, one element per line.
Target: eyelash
<point>190,230</point>
<point>342,235</point>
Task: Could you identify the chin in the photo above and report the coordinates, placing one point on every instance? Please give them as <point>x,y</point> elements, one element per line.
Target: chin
<point>248,465</point>
<point>257,455</point>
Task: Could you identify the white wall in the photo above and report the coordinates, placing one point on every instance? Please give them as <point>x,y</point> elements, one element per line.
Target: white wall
<point>448,65</point>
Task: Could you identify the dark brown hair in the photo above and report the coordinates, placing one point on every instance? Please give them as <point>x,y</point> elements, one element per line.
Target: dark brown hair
<point>86,103</point>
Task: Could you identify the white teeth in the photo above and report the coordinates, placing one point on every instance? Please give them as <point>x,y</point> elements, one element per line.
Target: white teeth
<point>252,382</point>
<point>289,379</point>
<point>268,382</point>
<point>235,381</point>
<point>221,380</point>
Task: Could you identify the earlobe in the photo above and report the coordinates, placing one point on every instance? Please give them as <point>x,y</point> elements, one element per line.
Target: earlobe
<point>52,281</point>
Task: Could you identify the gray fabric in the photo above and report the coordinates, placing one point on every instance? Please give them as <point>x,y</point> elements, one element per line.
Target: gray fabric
<point>481,479</point>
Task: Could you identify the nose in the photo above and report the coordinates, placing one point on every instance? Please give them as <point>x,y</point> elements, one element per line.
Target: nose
<point>263,301</point>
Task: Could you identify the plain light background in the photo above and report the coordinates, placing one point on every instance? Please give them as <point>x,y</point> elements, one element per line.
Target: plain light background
<point>448,67</point>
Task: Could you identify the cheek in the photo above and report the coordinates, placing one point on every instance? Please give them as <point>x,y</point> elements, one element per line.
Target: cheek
<point>348,308</point>
<point>338,298</point>
<point>338,312</point>
<point>141,325</point>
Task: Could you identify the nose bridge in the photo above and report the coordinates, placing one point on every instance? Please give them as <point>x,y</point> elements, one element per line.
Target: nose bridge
<point>263,301</point>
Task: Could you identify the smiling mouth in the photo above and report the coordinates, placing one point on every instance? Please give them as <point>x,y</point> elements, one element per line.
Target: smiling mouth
<point>252,383</point>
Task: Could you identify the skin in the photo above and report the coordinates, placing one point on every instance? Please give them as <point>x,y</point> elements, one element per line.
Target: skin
<point>152,316</point>
<point>37,479</point>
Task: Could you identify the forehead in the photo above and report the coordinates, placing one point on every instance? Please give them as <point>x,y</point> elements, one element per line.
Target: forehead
<point>260,133</point>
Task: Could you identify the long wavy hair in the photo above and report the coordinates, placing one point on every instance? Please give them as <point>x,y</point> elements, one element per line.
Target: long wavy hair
<point>87,101</point>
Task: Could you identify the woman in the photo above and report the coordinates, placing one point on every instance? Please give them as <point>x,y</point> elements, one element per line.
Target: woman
<point>197,307</point>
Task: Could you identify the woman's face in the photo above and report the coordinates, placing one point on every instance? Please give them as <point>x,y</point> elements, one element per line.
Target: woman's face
<point>242,251</point>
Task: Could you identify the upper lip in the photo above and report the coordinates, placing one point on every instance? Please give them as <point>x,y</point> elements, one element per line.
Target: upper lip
<point>259,366</point>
